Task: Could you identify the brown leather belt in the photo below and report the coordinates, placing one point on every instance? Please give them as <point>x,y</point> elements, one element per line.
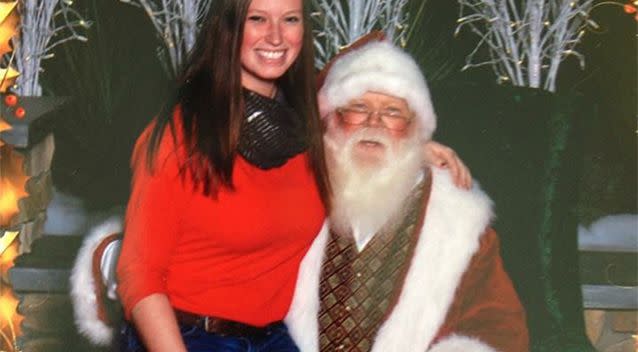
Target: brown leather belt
<point>221,327</point>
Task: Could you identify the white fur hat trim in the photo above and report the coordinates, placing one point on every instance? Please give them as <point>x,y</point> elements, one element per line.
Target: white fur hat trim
<point>383,68</point>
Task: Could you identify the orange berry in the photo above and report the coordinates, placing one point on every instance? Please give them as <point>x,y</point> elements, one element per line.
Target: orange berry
<point>629,8</point>
<point>20,112</point>
<point>11,100</point>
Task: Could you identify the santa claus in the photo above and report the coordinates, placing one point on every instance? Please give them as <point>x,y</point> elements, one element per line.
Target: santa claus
<point>408,261</point>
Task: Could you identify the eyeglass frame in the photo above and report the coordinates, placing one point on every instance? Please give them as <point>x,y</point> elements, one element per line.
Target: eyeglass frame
<point>344,109</point>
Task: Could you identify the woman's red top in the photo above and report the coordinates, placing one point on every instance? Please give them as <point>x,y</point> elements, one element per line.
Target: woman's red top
<point>234,257</point>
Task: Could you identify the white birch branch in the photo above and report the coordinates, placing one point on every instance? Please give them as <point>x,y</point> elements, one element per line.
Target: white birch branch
<point>44,24</point>
<point>176,23</point>
<point>525,40</point>
<point>341,22</point>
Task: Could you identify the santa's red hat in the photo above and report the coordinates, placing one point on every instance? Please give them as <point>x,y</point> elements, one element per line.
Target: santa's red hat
<point>377,66</point>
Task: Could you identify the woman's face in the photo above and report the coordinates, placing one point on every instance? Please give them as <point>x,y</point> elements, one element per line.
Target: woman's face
<point>273,35</point>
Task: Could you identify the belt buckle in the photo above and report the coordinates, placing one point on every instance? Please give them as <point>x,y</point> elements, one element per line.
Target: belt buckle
<point>211,325</point>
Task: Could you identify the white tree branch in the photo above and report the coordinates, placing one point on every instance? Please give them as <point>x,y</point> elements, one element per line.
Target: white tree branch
<point>44,24</point>
<point>176,23</point>
<point>336,29</point>
<point>526,40</point>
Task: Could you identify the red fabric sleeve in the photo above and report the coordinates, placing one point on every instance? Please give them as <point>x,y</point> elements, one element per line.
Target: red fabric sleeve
<point>486,305</point>
<point>152,218</point>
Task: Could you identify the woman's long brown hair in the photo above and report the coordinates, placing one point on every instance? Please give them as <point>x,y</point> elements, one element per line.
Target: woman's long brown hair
<point>209,96</point>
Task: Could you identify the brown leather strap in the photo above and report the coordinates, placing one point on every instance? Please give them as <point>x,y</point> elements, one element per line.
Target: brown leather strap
<point>96,269</point>
<point>219,326</point>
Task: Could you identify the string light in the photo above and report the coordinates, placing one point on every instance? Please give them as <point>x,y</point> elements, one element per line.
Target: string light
<point>529,57</point>
<point>336,29</point>
<point>177,23</point>
<point>35,44</point>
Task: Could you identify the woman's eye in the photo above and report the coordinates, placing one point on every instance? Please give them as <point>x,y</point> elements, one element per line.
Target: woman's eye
<point>256,18</point>
<point>293,19</point>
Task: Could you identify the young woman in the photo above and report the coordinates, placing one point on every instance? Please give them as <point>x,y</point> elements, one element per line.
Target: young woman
<point>229,188</point>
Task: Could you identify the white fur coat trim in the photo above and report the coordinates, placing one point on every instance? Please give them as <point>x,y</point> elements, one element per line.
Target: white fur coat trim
<point>85,303</point>
<point>456,343</point>
<point>455,219</point>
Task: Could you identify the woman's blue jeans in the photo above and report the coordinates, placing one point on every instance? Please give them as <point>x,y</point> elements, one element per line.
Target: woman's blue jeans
<point>275,339</point>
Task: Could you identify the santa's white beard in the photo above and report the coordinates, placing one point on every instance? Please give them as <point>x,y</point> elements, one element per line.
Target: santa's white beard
<point>368,196</point>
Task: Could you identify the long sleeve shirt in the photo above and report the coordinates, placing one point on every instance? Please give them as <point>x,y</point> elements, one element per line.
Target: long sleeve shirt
<point>235,256</point>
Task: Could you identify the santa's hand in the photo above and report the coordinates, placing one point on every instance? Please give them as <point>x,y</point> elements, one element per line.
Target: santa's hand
<point>441,156</point>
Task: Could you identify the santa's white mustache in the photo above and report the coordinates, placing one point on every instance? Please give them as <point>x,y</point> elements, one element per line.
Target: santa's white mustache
<point>368,135</point>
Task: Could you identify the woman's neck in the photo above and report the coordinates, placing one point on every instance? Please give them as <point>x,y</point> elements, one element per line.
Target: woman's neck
<point>266,89</point>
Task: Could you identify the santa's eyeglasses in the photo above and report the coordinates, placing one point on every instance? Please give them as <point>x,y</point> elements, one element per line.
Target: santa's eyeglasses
<point>391,119</point>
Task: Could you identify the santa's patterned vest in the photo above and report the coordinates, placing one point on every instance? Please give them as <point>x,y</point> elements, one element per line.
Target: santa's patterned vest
<point>359,289</point>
